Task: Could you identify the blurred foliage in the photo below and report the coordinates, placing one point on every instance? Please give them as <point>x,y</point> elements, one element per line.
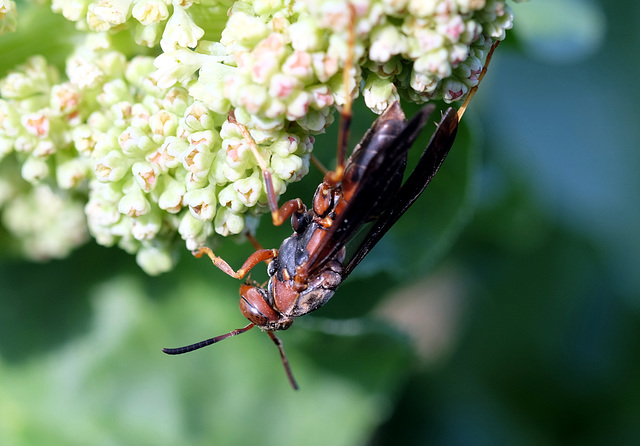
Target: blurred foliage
<point>522,258</point>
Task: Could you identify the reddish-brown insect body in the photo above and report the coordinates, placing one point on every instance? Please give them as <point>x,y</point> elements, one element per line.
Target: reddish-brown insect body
<point>306,270</point>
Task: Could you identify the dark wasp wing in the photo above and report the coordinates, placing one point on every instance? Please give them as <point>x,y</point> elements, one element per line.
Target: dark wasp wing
<point>428,165</point>
<point>373,175</point>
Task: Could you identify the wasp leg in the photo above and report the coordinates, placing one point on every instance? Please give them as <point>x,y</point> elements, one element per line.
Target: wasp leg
<point>334,177</point>
<point>254,242</point>
<point>285,362</point>
<point>278,215</point>
<point>473,90</point>
<point>261,255</point>
<point>316,162</point>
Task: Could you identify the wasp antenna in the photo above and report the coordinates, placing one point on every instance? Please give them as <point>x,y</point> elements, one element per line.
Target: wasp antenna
<point>473,90</point>
<point>285,362</point>
<point>199,345</point>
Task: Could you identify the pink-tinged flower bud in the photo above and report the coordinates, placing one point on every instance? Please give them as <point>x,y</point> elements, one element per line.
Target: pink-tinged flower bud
<point>453,90</point>
<point>145,175</point>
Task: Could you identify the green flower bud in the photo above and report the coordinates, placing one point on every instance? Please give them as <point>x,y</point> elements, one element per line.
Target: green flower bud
<point>167,156</point>
<point>198,157</point>
<point>177,100</point>
<point>10,125</point>
<point>386,42</point>
<point>379,93</point>
<point>193,231</point>
<point>114,92</point>
<point>197,117</point>
<point>134,203</point>
<point>289,167</point>
<point>72,172</point>
<point>44,148</point>
<point>163,124</point>
<point>228,198</point>
<point>263,7</point>
<point>112,167</point>
<point>146,227</point>
<point>30,79</point>
<point>34,170</point>
<point>305,35</point>
<point>171,199</point>
<point>155,258</point>
<point>65,98</point>
<point>135,141</point>
<point>148,35</point>
<point>227,222</point>
<point>176,66</point>
<point>202,202</point>
<point>285,145</point>
<point>243,29</point>
<point>83,73</point>
<point>249,190</point>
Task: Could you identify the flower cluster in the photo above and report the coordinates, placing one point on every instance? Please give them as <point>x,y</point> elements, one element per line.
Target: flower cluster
<point>154,148</point>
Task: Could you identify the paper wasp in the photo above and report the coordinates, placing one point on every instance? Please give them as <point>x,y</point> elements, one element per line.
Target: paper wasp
<point>367,189</point>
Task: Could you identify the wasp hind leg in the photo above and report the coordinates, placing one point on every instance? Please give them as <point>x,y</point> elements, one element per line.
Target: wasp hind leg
<point>334,177</point>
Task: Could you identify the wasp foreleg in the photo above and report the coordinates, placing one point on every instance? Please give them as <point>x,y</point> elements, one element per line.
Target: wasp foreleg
<point>262,255</point>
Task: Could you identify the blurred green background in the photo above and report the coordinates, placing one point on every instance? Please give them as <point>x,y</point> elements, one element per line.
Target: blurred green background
<point>504,308</point>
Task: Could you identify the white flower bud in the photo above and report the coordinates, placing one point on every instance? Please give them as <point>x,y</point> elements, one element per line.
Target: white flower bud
<point>176,66</point>
<point>249,190</point>
<point>150,11</point>
<point>111,167</point>
<point>171,199</point>
<point>106,14</point>
<point>72,172</point>
<point>193,231</point>
<point>155,259</point>
<point>379,93</point>
<point>228,198</point>
<point>286,168</point>
<point>34,170</point>
<point>146,227</point>
<point>134,203</point>
<point>202,202</point>
<point>180,31</point>
<point>227,222</point>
